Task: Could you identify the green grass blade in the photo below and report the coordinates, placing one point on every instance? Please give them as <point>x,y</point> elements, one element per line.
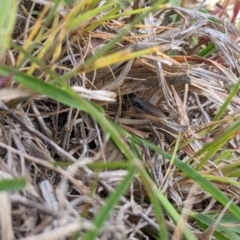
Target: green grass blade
<point>155,6</point>
<point>156,196</point>
<point>53,10</point>
<point>89,14</point>
<point>206,52</point>
<point>12,184</point>
<point>154,200</point>
<point>231,95</point>
<point>213,147</point>
<point>110,203</point>
<point>8,13</point>
<point>221,232</point>
<point>74,101</point>
<point>49,89</point>
<point>193,174</point>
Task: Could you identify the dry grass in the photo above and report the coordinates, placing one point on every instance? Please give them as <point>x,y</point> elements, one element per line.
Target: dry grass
<point>189,87</point>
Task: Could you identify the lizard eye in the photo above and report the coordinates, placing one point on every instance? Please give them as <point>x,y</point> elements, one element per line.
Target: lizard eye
<point>140,105</point>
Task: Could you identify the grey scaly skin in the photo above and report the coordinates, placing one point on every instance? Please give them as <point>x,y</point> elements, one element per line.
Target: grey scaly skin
<point>168,128</point>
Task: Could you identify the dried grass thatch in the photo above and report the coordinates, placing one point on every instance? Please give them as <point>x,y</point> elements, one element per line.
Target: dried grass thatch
<point>187,88</point>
